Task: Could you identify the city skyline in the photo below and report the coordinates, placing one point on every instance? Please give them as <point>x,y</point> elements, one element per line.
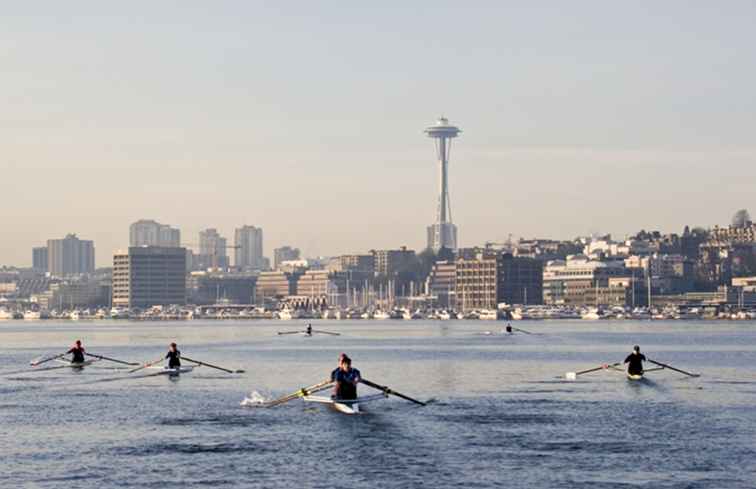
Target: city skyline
<point>579,120</point>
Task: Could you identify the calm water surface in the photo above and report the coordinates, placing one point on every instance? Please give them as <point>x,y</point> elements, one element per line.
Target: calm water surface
<point>499,417</point>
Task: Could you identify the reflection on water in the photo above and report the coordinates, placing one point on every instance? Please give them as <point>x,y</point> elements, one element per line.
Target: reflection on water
<point>502,416</point>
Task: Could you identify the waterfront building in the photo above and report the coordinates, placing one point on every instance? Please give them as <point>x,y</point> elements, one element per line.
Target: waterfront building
<point>147,276</point>
<point>391,262</point>
<point>40,259</point>
<point>207,288</point>
<point>70,256</point>
<point>442,233</point>
<point>212,250</point>
<point>73,294</point>
<point>147,232</point>
<point>476,283</point>
<point>248,254</point>
<point>566,281</point>
<point>442,284</point>
<point>362,263</point>
<point>519,280</point>
<point>274,286</point>
<point>284,253</point>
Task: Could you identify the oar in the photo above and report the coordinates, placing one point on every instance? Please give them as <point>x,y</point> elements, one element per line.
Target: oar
<point>573,375</point>
<point>150,364</point>
<point>213,366</point>
<point>389,391</point>
<point>304,391</point>
<point>102,357</point>
<point>652,369</point>
<point>291,332</point>
<point>325,332</point>
<point>34,363</point>
<point>673,368</point>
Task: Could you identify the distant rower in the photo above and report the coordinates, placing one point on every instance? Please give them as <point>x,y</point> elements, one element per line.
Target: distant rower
<point>508,329</point>
<point>346,379</point>
<point>635,361</point>
<point>173,356</point>
<point>77,352</point>
<point>309,330</point>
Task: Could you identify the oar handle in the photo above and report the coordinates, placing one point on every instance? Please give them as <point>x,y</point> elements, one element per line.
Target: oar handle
<point>673,368</point>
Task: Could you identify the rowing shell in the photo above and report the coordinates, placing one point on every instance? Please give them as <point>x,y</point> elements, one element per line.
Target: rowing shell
<point>184,369</point>
<point>634,376</point>
<point>345,406</point>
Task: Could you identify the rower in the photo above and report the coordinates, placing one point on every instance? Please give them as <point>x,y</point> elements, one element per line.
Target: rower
<point>508,329</point>
<point>309,329</point>
<point>346,379</point>
<point>173,356</point>
<point>77,352</point>
<point>635,361</point>
<point>342,356</point>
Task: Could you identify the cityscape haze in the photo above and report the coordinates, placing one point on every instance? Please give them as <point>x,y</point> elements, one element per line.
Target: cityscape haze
<point>578,119</point>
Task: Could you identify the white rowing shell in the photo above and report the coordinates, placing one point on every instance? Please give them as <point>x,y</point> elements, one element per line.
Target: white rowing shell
<point>346,407</point>
<point>172,371</point>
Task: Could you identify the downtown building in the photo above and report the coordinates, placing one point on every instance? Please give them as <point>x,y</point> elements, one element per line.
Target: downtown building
<point>147,276</point>
<point>68,256</point>
<point>147,232</point>
<point>248,252</point>
<point>212,251</point>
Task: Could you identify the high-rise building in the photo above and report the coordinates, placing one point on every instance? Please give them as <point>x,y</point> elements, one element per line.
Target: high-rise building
<point>284,253</point>
<point>147,232</point>
<point>248,254</point>
<point>147,276</point>
<point>70,256</point>
<point>39,259</point>
<point>212,250</point>
<point>443,233</point>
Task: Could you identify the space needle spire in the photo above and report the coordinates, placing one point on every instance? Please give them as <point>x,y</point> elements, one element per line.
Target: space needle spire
<point>443,233</point>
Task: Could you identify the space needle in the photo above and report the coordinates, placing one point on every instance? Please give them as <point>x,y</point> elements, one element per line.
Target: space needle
<point>443,233</point>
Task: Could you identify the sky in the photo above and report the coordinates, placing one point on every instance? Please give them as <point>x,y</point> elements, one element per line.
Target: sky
<point>307,118</point>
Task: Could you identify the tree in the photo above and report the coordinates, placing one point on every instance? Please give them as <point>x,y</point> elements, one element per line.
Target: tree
<point>741,219</point>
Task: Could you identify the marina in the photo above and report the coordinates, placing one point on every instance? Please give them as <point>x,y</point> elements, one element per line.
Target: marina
<point>495,414</point>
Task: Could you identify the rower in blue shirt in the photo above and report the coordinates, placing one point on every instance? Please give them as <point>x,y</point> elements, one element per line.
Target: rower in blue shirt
<point>346,379</point>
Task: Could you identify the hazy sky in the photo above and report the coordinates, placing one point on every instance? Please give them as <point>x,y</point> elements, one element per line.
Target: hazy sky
<point>306,118</point>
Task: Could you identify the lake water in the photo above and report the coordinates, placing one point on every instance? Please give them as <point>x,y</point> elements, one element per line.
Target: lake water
<point>498,416</point>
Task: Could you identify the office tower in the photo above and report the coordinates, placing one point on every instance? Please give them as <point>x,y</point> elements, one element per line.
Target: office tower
<point>70,256</point>
<point>248,253</point>
<point>39,259</point>
<point>212,249</point>
<point>147,276</point>
<point>147,232</point>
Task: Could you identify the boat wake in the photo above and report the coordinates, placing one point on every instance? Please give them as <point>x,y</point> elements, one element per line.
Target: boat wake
<point>255,399</point>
